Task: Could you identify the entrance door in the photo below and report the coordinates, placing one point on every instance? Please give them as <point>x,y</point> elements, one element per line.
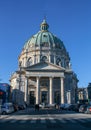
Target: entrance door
<point>32,98</point>
<point>57,97</point>
<point>44,97</point>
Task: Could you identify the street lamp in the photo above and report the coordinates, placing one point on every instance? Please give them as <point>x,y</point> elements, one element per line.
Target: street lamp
<point>19,80</point>
<point>20,75</point>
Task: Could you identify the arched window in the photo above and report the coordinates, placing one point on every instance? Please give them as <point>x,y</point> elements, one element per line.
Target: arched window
<point>20,64</point>
<point>29,62</point>
<point>44,58</point>
<point>63,62</point>
<point>58,61</point>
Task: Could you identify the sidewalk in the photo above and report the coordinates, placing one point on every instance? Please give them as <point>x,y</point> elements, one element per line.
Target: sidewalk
<point>4,116</point>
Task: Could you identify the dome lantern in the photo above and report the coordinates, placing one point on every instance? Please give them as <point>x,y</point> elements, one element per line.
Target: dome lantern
<point>44,26</point>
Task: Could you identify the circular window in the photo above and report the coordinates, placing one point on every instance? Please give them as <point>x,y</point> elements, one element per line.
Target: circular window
<point>44,58</point>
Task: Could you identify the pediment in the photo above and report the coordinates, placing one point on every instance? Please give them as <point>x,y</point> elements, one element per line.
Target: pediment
<point>44,66</point>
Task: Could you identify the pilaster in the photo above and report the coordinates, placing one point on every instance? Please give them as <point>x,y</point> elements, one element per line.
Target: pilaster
<point>37,91</point>
<point>26,89</point>
<point>62,90</point>
<point>51,91</point>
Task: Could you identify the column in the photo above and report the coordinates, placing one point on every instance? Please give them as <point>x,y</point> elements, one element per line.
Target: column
<point>55,59</point>
<point>62,90</point>
<point>51,91</point>
<point>37,92</point>
<point>25,61</point>
<point>38,58</point>
<point>50,58</point>
<point>26,90</point>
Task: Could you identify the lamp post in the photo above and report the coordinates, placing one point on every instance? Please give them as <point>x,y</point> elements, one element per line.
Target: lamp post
<point>19,83</point>
<point>20,76</point>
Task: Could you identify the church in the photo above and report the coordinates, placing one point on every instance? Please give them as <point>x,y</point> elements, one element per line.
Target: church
<point>44,74</point>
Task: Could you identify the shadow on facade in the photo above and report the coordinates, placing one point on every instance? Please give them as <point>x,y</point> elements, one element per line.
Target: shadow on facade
<point>17,96</point>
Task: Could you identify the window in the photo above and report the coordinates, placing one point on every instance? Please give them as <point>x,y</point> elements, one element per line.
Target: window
<point>29,62</point>
<point>58,61</point>
<point>45,44</point>
<point>44,58</point>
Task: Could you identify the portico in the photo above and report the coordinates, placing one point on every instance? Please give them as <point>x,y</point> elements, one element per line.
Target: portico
<point>42,85</point>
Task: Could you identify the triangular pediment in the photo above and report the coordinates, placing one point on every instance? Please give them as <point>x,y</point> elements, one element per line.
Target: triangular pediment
<point>44,66</point>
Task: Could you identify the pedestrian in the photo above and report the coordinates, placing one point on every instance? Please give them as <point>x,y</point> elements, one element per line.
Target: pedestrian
<point>37,107</point>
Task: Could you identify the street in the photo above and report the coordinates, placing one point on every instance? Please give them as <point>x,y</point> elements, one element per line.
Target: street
<point>52,119</point>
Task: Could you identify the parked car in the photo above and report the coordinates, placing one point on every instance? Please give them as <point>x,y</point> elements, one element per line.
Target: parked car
<point>21,107</point>
<point>7,108</point>
<point>88,110</point>
<point>74,107</point>
<point>83,108</point>
<point>42,105</point>
<point>66,106</point>
<point>71,107</point>
<point>77,106</point>
<point>62,106</point>
<point>51,105</point>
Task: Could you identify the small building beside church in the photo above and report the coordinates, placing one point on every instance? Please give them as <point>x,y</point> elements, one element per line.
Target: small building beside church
<point>89,92</point>
<point>5,93</point>
<point>44,74</point>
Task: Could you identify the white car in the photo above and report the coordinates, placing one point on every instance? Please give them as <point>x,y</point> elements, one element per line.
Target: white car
<point>51,105</point>
<point>42,105</point>
<point>7,108</point>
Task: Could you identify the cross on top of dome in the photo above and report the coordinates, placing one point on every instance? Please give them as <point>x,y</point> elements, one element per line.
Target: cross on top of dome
<point>44,25</point>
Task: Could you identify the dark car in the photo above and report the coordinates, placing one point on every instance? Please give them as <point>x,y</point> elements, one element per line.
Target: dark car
<point>62,106</point>
<point>77,106</point>
<point>72,107</point>
<point>21,107</point>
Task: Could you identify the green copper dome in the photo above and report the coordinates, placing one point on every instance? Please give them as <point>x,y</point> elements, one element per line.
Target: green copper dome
<point>44,38</point>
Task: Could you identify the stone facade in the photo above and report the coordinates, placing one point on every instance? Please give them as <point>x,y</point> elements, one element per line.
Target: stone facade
<point>82,93</point>
<point>89,92</point>
<point>44,73</point>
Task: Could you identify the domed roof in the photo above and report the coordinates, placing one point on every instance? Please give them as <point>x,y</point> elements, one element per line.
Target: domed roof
<point>44,38</point>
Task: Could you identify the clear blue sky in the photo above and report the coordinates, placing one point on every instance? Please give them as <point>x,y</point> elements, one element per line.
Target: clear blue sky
<point>70,20</point>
